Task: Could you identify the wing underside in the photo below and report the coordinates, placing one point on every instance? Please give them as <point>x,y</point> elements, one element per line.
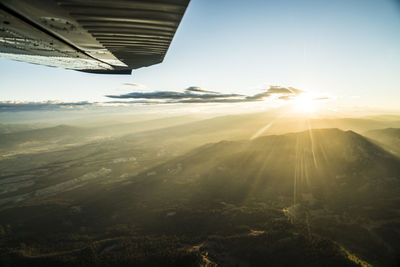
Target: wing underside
<point>99,36</point>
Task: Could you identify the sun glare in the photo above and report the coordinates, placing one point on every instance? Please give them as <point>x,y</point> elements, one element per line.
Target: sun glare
<point>305,104</point>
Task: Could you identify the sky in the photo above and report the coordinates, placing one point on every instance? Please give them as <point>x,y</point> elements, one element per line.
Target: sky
<point>345,50</point>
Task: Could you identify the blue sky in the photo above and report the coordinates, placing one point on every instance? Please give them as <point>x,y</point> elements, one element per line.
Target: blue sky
<point>347,49</point>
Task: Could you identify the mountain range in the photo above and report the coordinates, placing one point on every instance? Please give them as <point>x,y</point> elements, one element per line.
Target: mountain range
<point>327,190</point>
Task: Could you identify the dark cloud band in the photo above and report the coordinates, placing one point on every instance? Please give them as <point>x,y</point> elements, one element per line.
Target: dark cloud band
<point>172,95</point>
<point>196,94</point>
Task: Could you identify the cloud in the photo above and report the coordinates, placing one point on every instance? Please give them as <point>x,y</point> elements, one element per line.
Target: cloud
<point>258,97</point>
<point>321,98</point>
<point>286,93</point>
<point>135,85</point>
<point>199,90</point>
<point>284,90</point>
<point>287,97</point>
<point>7,106</point>
<point>196,94</point>
<point>189,93</point>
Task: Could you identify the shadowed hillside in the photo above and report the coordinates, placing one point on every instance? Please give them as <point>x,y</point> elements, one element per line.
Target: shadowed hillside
<point>389,138</point>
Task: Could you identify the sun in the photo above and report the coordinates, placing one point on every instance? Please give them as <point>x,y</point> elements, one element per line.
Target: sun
<point>304,104</point>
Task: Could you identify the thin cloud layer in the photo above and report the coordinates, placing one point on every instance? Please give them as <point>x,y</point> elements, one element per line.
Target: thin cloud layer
<point>287,97</point>
<point>322,98</point>
<point>284,90</point>
<point>11,106</point>
<point>196,94</point>
<point>189,93</point>
<point>199,90</point>
<point>137,85</point>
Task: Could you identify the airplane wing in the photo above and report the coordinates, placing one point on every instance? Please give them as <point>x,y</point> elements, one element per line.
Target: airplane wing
<point>97,36</point>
